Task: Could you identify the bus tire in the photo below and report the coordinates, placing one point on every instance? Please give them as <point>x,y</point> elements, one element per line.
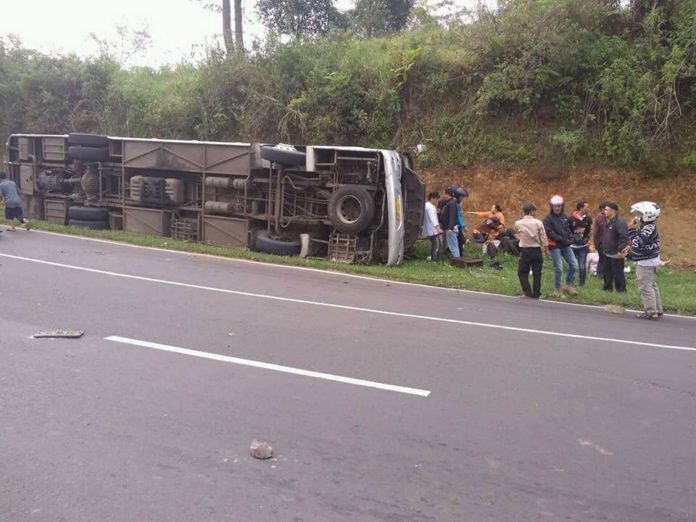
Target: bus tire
<point>79,152</point>
<point>291,158</point>
<point>351,209</point>
<point>88,140</point>
<point>95,225</point>
<point>272,245</point>
<point>88,213</point>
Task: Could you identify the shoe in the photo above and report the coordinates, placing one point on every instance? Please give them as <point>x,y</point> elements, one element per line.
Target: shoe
<point>428,258</point>
<point>660,314</point>
<point>27,226</point>
<point>652,316</point>
<point>569,289</point>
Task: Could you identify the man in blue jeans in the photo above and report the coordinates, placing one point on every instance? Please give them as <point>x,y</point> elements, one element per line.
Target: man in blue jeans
<point>449,221</point>
<point>560,237</point>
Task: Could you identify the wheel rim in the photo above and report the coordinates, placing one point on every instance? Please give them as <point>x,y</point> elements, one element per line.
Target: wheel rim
<point>349,210</point>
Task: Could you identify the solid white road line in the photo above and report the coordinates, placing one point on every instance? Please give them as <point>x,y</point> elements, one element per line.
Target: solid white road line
<point>354,308</point>
<point>269,366</point>
<point>323,271</point>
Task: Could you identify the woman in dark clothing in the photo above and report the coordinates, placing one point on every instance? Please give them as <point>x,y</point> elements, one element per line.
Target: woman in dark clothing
<point>580,227</point>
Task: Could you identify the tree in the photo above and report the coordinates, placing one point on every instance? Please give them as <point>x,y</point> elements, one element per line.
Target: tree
<point>299,18</point>
<point>128,43</point>
<point>227,26</point>
<point>399,14</point>
<point>223,7</point>
<point>370,17</point>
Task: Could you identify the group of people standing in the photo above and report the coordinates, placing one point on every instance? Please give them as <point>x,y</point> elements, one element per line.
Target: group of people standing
<point>569,240</point>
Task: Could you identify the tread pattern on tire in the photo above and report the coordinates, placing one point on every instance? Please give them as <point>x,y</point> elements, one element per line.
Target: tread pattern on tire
<point>265,243</point>
<point>79,152</point>
<point>367,204</point>
<point>293,158</point>
<point>95,225</point>
<point>87,140</point>
<point>88,213</point>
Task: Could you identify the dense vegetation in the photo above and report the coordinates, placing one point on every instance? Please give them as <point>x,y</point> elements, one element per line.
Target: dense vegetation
<point>532,81</point>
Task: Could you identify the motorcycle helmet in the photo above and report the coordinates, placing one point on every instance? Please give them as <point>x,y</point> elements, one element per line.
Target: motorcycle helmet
<point>648,211</point>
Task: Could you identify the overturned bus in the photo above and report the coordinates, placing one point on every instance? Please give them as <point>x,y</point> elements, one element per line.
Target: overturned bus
<point>348,204</point>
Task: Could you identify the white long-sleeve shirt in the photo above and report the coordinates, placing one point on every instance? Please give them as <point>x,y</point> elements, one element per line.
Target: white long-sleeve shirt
<point>430,221</point>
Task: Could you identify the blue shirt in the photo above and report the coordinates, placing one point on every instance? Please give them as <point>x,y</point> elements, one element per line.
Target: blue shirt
<point>460,218</point>
<point>8,192</point>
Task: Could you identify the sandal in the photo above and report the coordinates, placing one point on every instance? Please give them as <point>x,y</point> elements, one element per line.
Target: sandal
<point>646,315</point>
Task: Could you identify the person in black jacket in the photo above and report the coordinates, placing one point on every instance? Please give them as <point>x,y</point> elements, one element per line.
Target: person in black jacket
<point>448,221</point>
<point>557,226</point>
<point>614,243</point>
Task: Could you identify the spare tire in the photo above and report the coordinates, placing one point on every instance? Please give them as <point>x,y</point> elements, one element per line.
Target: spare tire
<point>351,209</point>
<point>96,225</point>
<point>291,158</point>
<point>78,152</point>
<point>272,245</point>
<point>89,213</point>
<point>88,140</point>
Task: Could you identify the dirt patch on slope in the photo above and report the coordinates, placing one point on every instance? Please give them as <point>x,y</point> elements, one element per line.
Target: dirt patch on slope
<point>513,187</point>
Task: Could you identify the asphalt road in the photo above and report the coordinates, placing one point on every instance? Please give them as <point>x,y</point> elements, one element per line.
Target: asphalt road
<point>522,411</point>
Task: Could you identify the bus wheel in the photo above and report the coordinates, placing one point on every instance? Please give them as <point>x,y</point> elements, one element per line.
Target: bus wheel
<point>351,209</point>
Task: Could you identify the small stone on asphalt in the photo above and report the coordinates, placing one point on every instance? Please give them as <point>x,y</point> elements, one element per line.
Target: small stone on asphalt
<point>261,450</point>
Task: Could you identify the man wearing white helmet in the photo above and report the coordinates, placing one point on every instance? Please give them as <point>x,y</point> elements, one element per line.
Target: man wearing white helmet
<point>560,237</point>
<point>644,247</point>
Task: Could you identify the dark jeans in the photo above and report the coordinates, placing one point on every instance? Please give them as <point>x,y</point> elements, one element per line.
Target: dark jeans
<point>530,258</point>
<point>601,264</point>
<point>614,276</point>
<point>434,247</point>
<point>581,256</point>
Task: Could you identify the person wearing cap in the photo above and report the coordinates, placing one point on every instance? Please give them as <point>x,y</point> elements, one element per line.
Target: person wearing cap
<point>614,242</point>
<point>560,238</point>
<point>600,222</point>
<point>533,243</point>
<point>644,247</point>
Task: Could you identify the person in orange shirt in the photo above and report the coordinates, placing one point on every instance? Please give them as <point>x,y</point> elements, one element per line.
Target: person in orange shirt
<point>495,211</point>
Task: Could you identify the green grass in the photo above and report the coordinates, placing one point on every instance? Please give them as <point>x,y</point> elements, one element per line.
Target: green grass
<point>678,287</point>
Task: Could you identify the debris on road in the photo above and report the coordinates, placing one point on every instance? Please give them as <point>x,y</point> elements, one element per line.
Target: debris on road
<point>58,334</point>
<point>261,450</point>
<point>614,309</point>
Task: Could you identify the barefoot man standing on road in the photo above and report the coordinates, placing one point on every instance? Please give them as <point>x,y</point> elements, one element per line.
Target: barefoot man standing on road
<point>13,202</point>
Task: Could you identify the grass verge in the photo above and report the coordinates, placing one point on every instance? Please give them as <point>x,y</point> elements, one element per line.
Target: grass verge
<point>678,287</point>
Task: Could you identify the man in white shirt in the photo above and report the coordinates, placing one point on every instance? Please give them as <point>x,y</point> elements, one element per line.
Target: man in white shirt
<point>431,226</point>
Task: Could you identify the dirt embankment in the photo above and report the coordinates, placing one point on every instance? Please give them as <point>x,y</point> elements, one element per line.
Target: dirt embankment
<point>512,188</point>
